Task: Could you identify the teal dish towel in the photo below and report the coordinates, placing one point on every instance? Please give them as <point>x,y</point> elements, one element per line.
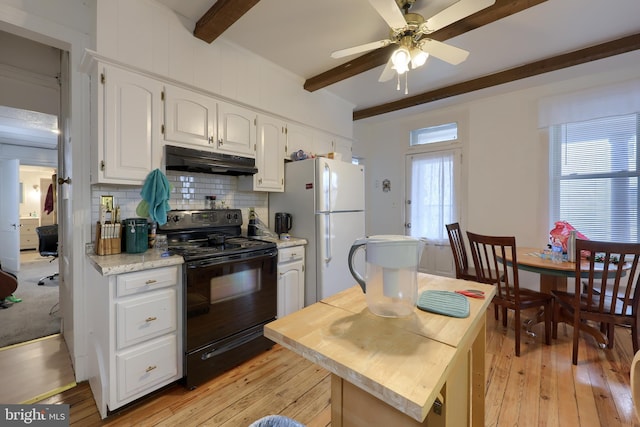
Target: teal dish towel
<point>444,302</point>
<point>155,197</point>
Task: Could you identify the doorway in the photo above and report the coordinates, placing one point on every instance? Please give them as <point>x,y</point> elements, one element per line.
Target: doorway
<point>30,107</point>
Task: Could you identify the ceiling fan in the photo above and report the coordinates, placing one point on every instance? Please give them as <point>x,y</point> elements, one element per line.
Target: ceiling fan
<point>410,32</point>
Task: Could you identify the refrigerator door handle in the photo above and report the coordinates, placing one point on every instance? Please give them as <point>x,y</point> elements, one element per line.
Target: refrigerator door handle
<point>327,240</point>
<point>326,177</point>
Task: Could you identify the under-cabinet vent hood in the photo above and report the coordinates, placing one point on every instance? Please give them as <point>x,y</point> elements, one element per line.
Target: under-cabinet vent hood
<point>190,160</point>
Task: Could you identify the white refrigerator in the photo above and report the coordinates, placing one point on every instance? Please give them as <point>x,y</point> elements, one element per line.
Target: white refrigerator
<point>326,200</point>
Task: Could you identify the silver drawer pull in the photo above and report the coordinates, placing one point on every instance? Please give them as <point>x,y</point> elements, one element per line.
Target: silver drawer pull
<point>150,282</point>
<point>150,368</point>
<point>150,319</point>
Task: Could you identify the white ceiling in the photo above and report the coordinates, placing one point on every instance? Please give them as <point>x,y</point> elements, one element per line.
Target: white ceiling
<point>300,36</point>
<point>28,128</point>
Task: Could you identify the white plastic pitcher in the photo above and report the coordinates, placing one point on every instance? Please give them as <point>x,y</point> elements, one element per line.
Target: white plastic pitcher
<point>391,283</point>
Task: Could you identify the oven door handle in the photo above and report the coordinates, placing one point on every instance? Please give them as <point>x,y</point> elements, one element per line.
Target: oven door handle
<point>266,254</point>
<point>231,345</point>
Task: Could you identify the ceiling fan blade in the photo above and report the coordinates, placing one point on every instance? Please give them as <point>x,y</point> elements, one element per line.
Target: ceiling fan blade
<point>361,48</point>
<point>446,52</point>
<point>388,72</point>
<point>454,13</point>
<point>390,12</point>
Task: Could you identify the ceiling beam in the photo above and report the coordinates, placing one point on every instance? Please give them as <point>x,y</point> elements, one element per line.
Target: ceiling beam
<point>366,62</point>
<point>221,16</point>
<point>577,57</point>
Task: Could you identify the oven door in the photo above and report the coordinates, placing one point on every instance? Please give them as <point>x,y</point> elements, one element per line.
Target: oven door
<point>228,295</point>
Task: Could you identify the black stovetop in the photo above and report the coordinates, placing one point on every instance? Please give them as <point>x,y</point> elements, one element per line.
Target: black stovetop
<point>202,234</point>
<point>204,248</point>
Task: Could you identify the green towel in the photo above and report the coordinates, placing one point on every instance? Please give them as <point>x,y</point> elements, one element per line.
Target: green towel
<point>155,197</point>
<point>444,302</point>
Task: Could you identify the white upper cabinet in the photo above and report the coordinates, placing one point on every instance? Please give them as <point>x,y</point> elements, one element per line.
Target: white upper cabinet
<point>269,157</point>
<point>343,146</point>
<point>129,123</point>
<point>190,117</point>
<point>236,130</point>
<point>322,143</point>
<point>299,138</point>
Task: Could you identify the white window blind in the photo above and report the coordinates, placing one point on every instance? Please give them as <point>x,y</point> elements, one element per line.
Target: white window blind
<point>594,177</point>
<point>433,194</point>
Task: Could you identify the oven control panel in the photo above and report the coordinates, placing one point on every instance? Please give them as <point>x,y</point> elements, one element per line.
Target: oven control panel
<point>181,219</point>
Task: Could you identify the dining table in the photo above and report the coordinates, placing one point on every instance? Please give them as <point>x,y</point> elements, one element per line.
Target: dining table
<point>553,276</point>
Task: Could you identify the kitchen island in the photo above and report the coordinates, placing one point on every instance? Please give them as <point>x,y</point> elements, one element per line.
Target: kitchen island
<point>424,369</point>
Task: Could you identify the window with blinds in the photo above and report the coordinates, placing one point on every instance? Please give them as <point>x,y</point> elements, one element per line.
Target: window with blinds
<point>594,177</point>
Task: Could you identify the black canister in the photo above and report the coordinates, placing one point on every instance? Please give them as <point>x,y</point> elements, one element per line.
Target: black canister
<point>136,235</point>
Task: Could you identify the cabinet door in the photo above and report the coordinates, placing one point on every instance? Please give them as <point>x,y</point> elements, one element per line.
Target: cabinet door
<point>290,288</point>
<point>131,126</point>
<point>299,138</point>
<point>322,143</point>
<point>190,117</point>
<point>28,235</point>
<point>144,368</point>
<point>343,146</point>
<point>236,130</point>
<point>269,155</point>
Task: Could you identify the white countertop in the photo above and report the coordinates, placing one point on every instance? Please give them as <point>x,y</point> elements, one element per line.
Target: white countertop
<point>126,263</point>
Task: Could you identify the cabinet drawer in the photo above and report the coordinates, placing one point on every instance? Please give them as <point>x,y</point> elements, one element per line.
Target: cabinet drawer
<point>149,364</point>
<point>143,281</point>
<point>143,317</point>
<point>293,253</point>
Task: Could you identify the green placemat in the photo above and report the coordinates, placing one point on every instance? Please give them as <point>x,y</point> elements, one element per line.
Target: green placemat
<point>444,302</point>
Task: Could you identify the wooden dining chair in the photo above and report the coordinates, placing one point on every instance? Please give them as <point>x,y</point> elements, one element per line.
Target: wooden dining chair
<point>456,240</point>
<point>609,298</point>
<point>488,253</point>
<point>460,259</point>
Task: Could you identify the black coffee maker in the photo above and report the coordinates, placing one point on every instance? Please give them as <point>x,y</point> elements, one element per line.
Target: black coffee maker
<point>283,223</point>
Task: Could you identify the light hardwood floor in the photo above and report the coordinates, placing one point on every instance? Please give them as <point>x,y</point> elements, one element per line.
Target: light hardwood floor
<point>540,388</point>
<point>31,371</point>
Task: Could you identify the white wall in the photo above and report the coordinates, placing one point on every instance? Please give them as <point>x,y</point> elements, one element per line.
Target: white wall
<point>147,35</point>
<point>31,205</point>
<point>505,155</point>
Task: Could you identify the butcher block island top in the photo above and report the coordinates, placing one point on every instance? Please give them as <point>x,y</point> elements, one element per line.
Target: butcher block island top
<point>393,370</point>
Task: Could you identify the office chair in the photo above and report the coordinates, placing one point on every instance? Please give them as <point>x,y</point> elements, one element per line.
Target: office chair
<point>48,246</point>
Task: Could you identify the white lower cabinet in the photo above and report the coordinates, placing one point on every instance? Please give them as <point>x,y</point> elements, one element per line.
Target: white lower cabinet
<point>290,280</point>
<point>135,341</point>
<point>141,367</point>
<point>28,235</point>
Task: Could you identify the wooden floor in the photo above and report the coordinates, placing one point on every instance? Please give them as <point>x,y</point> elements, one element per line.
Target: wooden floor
<point>32,370</point>
<point>540,388</point>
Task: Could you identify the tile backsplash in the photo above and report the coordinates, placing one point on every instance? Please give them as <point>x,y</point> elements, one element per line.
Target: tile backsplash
<point>188,191</point>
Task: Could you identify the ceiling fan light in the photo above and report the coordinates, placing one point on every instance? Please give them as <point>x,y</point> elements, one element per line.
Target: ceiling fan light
<point>418,58</point>
<point>400,59</point>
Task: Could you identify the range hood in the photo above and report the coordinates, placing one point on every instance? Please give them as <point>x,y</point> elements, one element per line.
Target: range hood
<point>191,160</point>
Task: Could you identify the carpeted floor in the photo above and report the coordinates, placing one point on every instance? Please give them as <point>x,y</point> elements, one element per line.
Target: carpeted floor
<point>37,315</point>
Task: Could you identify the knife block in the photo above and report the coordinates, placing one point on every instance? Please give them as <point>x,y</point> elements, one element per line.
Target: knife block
<point>107,246</point>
